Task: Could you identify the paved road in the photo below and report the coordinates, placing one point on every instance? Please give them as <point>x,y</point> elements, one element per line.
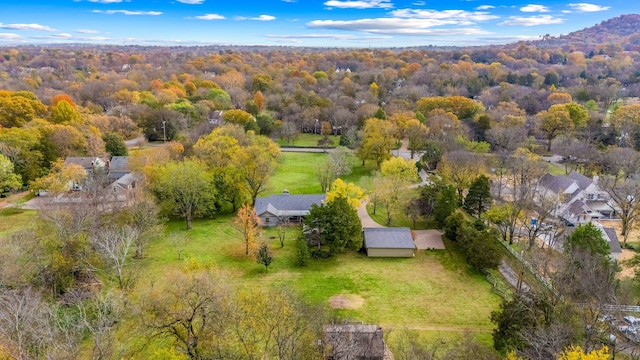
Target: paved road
<point>365,219</point>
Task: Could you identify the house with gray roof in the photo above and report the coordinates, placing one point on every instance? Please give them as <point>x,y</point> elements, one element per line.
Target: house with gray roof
<point>580,198</point>
<point>608,234</point>
<point>388,242</point>
<point>287,206</point>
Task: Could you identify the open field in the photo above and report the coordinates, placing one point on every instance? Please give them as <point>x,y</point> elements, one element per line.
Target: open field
<point>434,291</point>
<point>12,219</point>
<point>309,140</point>
<point>296,172</point>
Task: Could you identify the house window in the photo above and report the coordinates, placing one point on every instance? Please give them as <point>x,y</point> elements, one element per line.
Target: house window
<point>266,220</point>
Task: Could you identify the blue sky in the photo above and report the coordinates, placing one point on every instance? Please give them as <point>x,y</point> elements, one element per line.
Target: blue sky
<point>330,23</point>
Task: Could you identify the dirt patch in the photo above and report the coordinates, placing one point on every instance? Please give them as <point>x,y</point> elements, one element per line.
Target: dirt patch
<point>428,239</point>
<point>346,301</point>
<point>627,272</point>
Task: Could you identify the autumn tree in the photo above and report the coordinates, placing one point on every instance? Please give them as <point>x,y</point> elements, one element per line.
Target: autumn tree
<point>460,168</point>
<point>248,223</point>
<point>190,310</point>
<point>65,113</point>
<point>184,187</point>
<point>256,163</point>
<point>236,116</point>
<point>350,191</point>
<point>462,107</point>
<point>18,108</point>
<point>59,178</point>
<point>554,121</point>
<point>377,141</point>
<point>416,135</point>
<point>392,185</point>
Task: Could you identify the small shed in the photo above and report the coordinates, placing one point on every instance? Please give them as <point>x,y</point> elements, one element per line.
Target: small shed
<point>389,242</point>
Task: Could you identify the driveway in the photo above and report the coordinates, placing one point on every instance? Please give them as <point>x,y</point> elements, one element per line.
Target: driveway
<point>424,239</point>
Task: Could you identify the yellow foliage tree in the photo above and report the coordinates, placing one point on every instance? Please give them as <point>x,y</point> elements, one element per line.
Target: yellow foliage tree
<point>60,178</point>
<point>249,225</point>
<point>350,191</point>
<point>577,353</point>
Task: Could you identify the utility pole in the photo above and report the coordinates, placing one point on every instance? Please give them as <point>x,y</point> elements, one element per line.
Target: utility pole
<point>164,131</point>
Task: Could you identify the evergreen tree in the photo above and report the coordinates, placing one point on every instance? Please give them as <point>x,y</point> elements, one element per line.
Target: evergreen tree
<point>478,200</point>
<point>446,203</point>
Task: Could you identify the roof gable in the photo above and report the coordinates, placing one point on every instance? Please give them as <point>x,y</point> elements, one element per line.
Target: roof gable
<point>582,181</point>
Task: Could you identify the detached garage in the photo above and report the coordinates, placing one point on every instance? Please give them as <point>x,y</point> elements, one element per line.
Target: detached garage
<point>388,242</point>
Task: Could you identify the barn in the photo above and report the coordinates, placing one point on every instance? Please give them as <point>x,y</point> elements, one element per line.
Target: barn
<point>388,242</point>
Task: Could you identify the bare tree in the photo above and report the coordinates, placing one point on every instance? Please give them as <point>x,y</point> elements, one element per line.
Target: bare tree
<point>283,225</point>
<point>625,194</point>
<point>114,244</point>
<point>100,316</point>
<point>30,328</point>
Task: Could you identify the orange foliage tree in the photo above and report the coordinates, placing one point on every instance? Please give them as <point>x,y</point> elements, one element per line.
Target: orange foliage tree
<point>249,225</point>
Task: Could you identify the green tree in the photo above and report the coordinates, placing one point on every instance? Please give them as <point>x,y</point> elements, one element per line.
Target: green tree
<point>264,256</point>
<point>114,144</point>
<point>478,199</point>
<point>446,203</point>
<point>337,224</point>
<point>184,187</point>
<point>9,181</point>
<point>589,238</point>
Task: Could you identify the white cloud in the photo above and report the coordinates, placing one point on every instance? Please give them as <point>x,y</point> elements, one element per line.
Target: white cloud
<point>534,8</point>
<point>210,17</point>
<point>26,27</point>
<point>289,1</point>
<point>328,36</point>
<point>191,2</point>
<point>485,7</point>
<point>9,36</point>
<point>585,7</point>
<point>531,20</point>
<point>418,3</point>
<point>127,12</point>
<point>461,17</point>
<point>398,26</point>
<point>106,1</point>
<point>259,18</point>
<point>87,31</point>
<point>264,18</point>
<point>359,4</point>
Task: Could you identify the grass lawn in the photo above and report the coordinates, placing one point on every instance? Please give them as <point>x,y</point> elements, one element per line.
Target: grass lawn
<point>296,172</point>
<point>556,170</point>
<point>309,140</point>
<point>400,220</point>
<point>432,292</point>
<point>13,219</point>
